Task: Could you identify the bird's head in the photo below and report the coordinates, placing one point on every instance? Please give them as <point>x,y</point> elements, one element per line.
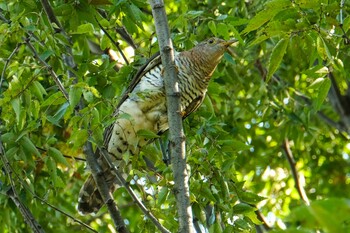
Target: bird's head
<point>209,52</point>
<point>214,47</point>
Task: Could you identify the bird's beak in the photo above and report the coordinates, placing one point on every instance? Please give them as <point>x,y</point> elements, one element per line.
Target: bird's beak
<point>229,42</point>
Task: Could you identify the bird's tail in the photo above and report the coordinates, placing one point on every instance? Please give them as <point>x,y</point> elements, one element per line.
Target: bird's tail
<point>90,200</point>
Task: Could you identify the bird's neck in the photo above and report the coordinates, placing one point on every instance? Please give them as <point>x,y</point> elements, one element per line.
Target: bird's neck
<point>200,63</point>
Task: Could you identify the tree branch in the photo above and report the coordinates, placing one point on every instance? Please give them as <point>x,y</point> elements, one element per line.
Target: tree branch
<point>177,137</point>
<point>49,68</point>
<point>104,189</point>
<point>24,185</point>
<point>68,59</point>
<point>7,63</point>
<point>292,164</point>
<point>116,43</point>
<point>12,193</point>
<point>131,192</point>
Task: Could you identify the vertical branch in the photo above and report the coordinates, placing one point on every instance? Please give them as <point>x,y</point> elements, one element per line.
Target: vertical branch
<point>104,189</point>
<point>292,165</point>
<point>177,137</point>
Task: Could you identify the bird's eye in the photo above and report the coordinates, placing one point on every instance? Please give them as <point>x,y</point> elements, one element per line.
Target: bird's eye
<point>210,41</point>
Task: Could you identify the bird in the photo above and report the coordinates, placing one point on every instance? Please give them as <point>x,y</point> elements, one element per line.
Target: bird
<point>143,107</point>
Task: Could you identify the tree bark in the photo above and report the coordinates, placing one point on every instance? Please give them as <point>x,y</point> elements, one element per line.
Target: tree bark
<point>177,137</point>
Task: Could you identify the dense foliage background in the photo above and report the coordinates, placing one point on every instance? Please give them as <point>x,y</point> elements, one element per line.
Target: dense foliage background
<point>271,140</point>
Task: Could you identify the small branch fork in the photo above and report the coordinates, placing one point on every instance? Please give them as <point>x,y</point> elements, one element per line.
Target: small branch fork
<point>292,164</point>
<point>116,44</point>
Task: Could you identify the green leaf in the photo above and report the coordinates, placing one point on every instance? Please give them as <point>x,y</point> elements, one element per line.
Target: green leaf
<point>58,115</point>
<point>84,28</point>
<point>322,49</point>
<point>331,215</point>
<point>78,138</point>
<point>271,9</point>
<point>232,145</point>
<point>163,193</point>
<point>8,137</point>
<point>276,57</point>
<point>28,146</point>
<point>242,208</point>
<point>52,170</point>
<point>134,13</point>
<point>321,87</point>
<point>222,30</point>
<point>46,54</point>
<point>212,27</point>
<point>75,93</point>
<point>38,90</point>
<point>148,134</point>
<point>57,156</point>
<point>17,108</point>
<point>250,197</point>
<point>193,14</point>
<point>206,192</point>
<point>54,99</point>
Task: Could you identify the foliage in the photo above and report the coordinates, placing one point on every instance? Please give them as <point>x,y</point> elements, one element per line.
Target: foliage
<point>287,82</point>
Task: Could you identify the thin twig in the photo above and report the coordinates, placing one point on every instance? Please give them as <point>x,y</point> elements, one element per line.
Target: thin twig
<point>131,192</point>
<point>68,59</point>
<point>66,156</point>
<point>259,215</point>
<point>104,189</point>
<point>12,193</point>
<point>25,185</point>
<point>113,41</point>
<point>7,63</point>
<point>292,164</point>
<point>49,68</point>
<point>176,132</point>
<point>124,34</point>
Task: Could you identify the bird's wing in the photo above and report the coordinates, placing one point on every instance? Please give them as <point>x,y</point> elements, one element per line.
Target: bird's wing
<point>193,106</point>
<point>153,61</point>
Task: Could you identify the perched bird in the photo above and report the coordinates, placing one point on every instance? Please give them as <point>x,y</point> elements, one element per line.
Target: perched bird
<point>144,108</point>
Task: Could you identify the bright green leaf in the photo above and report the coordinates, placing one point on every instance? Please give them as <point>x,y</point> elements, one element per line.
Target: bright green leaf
<point>271,9</point>
<point>84,28</point>
<point>276,57</point>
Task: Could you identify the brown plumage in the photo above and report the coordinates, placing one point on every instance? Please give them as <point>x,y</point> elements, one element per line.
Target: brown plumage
<point>143,107</point>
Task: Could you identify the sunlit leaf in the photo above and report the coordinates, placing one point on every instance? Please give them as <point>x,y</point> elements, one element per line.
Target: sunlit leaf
<point>276,57</point>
